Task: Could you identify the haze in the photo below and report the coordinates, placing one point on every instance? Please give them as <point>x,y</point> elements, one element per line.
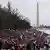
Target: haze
<point>28,9</point>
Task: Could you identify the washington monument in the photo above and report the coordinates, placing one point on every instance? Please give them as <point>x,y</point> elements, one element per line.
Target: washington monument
<point>37,14</point>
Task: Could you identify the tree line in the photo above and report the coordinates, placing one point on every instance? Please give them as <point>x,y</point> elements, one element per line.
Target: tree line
<point>10,19</point>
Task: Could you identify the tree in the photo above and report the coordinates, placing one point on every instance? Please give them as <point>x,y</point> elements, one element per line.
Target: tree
<point>12,20</point>
<point>0,23</point>
<point>9,6</point>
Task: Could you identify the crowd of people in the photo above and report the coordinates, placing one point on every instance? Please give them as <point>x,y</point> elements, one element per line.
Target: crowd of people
<point>9,45</point>
<point>35,43</point>
<point>35,46</point>
<point>31,45</point>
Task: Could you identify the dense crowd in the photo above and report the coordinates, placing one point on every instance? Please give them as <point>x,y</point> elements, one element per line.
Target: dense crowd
<point>11,44</point>
<point>25,41</point>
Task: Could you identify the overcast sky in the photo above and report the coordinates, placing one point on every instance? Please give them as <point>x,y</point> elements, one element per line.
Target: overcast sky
<point>28,9</point>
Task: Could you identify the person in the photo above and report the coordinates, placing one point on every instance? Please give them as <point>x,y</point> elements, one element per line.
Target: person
<point>12,48</point>
<point>47,46</point>
<point>21,48</point>
<point>41,46</point>
<point>15,46</point>
<point>0,44</point>
<point>34,46</point>
<point>30,45</point>
<point>38,47</point>
<point>18,48</point>
<point>44,48</point>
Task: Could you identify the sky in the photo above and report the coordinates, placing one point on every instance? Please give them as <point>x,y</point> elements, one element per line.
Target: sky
<point>28,8</point>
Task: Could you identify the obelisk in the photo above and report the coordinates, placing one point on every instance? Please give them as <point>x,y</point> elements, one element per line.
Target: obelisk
<point>37,14</point>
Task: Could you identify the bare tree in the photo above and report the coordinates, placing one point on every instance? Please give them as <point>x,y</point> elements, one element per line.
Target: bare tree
<point>9,6</point>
